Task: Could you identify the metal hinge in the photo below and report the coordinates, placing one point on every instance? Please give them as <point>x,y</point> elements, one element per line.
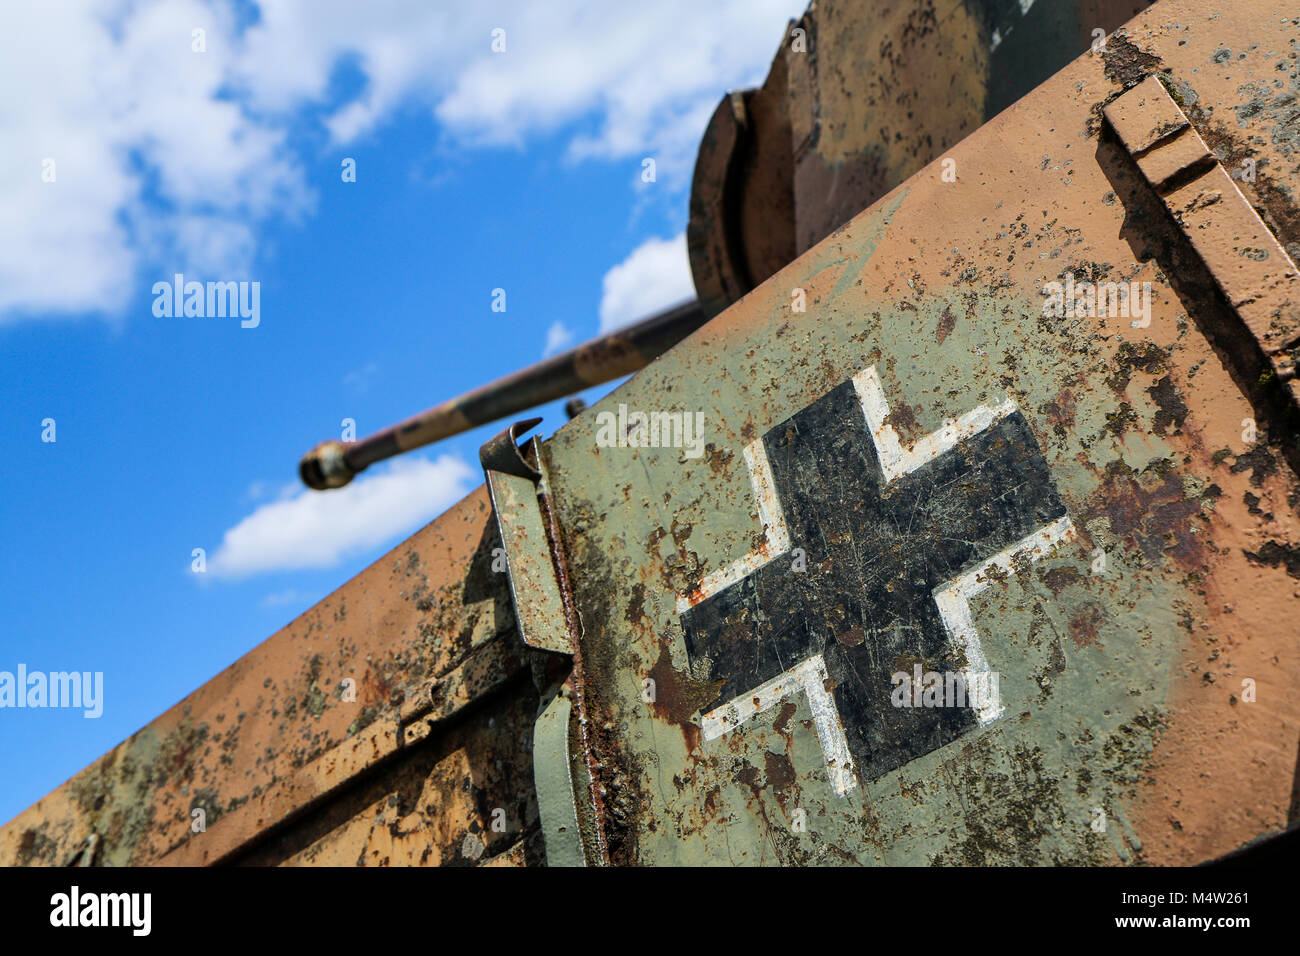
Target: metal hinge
<point>516,486</point>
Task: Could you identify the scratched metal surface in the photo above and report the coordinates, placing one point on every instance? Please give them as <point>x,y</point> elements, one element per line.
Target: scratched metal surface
<point>887,87</point>
<point>1123,690</point>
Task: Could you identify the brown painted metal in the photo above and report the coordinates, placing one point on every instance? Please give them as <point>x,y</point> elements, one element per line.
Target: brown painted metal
<point>278,761</point>
<point>741,227</point>
<point>1248,263</point>
<point>333,464</point>
<point>859,97</point>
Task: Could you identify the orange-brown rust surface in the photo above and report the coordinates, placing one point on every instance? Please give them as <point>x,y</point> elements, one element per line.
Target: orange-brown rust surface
<point>278,710</point>
<point>464,799</point>
<point>860,96</point>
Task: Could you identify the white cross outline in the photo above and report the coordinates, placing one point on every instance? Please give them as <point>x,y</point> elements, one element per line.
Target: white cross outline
<point>952,597</point>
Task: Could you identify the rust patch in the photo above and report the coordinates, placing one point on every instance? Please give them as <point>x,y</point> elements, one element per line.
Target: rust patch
<point>947,322</point>
<point>852,637</point>
<point>1171,411</point>
<point>1278,555</point>
<point>719,460</point>
<point>1150,513</point>
<point>1259,460</point>
<point>636,604</point>
<point>1125,63</point>
<point>903,420</point>
<point>782,723</point>
<point>677,697</point>
<point>780,774</point>
<point>1144,357</point>
<point>1119,421</point>
<point>1060,413</point>
<point>1083,625</point>
<point>1058,579</point>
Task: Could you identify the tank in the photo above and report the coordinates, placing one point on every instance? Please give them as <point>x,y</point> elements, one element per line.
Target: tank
<point>954,524</point>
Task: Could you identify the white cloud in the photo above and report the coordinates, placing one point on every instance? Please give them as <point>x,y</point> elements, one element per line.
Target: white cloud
<point>654,72</point>
<point>655,276</point>
<point>314,529</point>
<point>650,72</point>
<point>171,160</point>
<point>116,97</point>
<point>558,336</point>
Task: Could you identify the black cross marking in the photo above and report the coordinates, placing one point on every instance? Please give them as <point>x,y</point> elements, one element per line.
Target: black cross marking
<point>895,542</point>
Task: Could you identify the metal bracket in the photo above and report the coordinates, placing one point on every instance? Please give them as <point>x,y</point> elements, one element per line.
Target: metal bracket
<point>534,585</point>
<point>553,779</point>
<point>501,452</point>
<point>1249,265</point>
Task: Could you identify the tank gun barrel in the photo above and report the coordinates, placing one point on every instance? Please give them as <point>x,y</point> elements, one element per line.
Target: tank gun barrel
<point>332,464</point>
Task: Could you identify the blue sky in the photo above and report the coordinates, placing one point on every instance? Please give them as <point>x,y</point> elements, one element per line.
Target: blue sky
<point>476,170</point>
